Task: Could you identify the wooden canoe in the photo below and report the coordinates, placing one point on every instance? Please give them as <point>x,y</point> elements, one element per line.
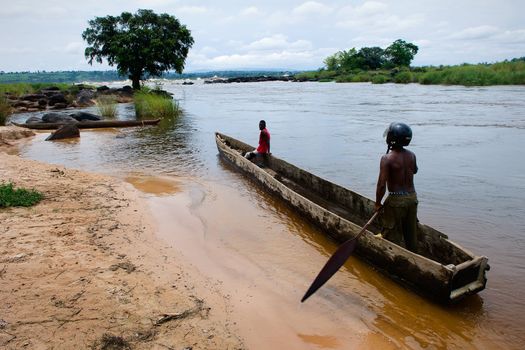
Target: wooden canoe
<point>442,270</point>
<point>92,124</point>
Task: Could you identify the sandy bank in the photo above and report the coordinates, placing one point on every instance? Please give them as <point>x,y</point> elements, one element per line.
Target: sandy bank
<point>83,269</point>
<point>11,134</point>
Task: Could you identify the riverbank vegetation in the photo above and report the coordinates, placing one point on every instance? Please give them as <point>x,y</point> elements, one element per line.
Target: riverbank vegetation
<point>484,74</point>
<point>5,110</point>
<point>32,88</point>
<point>392,65</point>
<point>17,197</point>
<point>155,103</point>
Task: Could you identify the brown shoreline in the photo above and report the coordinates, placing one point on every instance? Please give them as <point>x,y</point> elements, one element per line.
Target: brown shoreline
<point>84,268</point>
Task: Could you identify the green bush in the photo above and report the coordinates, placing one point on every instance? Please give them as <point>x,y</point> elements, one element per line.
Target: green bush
<point>404,77</point>
<point>5,110</point>
<point>107,106</point>
<point>347,78</point>
<point>153,105</point>
<point>18,197</point>
<point>308,75</point>
<point>361,77</point>
<point>380,79</point>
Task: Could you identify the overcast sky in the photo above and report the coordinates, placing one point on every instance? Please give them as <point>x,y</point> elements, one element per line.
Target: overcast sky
<point>288,34</point>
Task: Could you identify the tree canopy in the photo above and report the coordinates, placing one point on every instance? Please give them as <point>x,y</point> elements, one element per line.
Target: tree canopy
<point>398,54</point>
<point>401,53</point>
<point>139,44</point>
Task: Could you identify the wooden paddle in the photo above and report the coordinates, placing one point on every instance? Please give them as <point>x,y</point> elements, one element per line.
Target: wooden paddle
<point>336,260</point>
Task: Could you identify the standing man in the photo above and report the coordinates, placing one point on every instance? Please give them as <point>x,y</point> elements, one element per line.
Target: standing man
<point>264,142</point>
<point>396,172</point>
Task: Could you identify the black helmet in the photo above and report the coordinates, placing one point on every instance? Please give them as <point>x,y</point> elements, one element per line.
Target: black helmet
<point>398,134</point>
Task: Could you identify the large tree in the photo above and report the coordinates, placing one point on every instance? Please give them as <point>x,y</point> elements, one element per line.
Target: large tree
<point>371,58</point>
<point>140,44</point>
<point>401,53</point>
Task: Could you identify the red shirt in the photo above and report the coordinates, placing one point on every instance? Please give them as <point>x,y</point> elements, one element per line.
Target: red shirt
<point>264,142</point>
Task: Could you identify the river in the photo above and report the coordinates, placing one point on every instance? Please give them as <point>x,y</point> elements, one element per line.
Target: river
<point>471,186</point>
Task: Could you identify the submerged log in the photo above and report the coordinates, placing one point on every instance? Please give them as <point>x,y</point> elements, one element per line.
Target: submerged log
<point>92,124</point>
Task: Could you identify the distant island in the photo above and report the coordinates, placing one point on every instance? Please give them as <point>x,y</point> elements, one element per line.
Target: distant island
<point>508,72</point>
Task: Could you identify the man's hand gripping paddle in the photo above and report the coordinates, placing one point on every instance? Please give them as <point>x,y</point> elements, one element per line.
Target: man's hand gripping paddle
<point>337,260</point>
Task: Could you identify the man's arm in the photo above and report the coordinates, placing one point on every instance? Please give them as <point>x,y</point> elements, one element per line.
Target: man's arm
<point>381,181</point>
<point>415,165</point>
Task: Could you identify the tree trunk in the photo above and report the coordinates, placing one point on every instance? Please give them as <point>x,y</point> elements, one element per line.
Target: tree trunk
<point>135,80</point>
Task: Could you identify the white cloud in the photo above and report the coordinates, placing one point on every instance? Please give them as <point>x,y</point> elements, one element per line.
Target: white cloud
<point>251,11</point>
<point>192,10</point>
<point>75,48</point>
<point>281,59</point>
<point>278,42</point>
<point>373,17</point>
<point>155,3</point>
<point>14,11</point>
<point>312,8</point>
<point>512,37</point>
<point>16,50</point>
<point>208,50</point>
<point>304,32</point>
<point>473,33</point>
<point>421,43</point>
<point>369,8</point>
<point>381,23</point>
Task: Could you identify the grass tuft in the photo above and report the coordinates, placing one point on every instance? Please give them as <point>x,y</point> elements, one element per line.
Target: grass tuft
<point>5,110</point>
<point>18,197</point>
<point>107,106</point>
<point>154,105</point>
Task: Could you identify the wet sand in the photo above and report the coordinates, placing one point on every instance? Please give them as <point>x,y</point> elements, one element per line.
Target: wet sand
<point>83,268</point>
<point>216,233</point>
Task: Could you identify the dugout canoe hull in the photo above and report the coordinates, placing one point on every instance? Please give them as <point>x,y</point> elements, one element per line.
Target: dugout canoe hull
<point>92,124</point>
<point>442,270</point>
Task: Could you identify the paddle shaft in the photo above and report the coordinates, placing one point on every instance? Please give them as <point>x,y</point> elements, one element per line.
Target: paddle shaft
<point>336,260</point>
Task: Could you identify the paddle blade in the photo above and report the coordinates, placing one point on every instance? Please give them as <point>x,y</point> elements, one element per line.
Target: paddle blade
<point>332,265</point>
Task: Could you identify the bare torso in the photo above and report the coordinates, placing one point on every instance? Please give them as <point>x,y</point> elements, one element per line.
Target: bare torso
<point>396,173</point>
<point>401,167</point>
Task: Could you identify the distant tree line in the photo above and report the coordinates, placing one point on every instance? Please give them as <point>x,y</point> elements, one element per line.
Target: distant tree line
<point>112,75</point>
<point>58,77</point>
<point>398,54</point>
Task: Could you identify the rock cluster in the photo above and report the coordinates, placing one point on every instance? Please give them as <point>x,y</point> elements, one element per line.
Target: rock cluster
<point>71,118</point>
<point>52,98</point>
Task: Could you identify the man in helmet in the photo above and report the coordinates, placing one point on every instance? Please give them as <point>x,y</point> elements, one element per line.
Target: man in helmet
<point>396,172</point>
<point>264,143</point>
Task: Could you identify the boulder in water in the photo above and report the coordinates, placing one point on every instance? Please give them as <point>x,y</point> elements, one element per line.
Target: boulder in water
<point>67,131</point>
<point>81,116</point>
<point>58,118</point>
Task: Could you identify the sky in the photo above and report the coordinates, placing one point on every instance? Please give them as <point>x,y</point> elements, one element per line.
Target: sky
<point>38,35</point>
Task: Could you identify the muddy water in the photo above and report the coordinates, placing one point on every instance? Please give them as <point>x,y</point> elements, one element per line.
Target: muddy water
<point>471,186</point>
